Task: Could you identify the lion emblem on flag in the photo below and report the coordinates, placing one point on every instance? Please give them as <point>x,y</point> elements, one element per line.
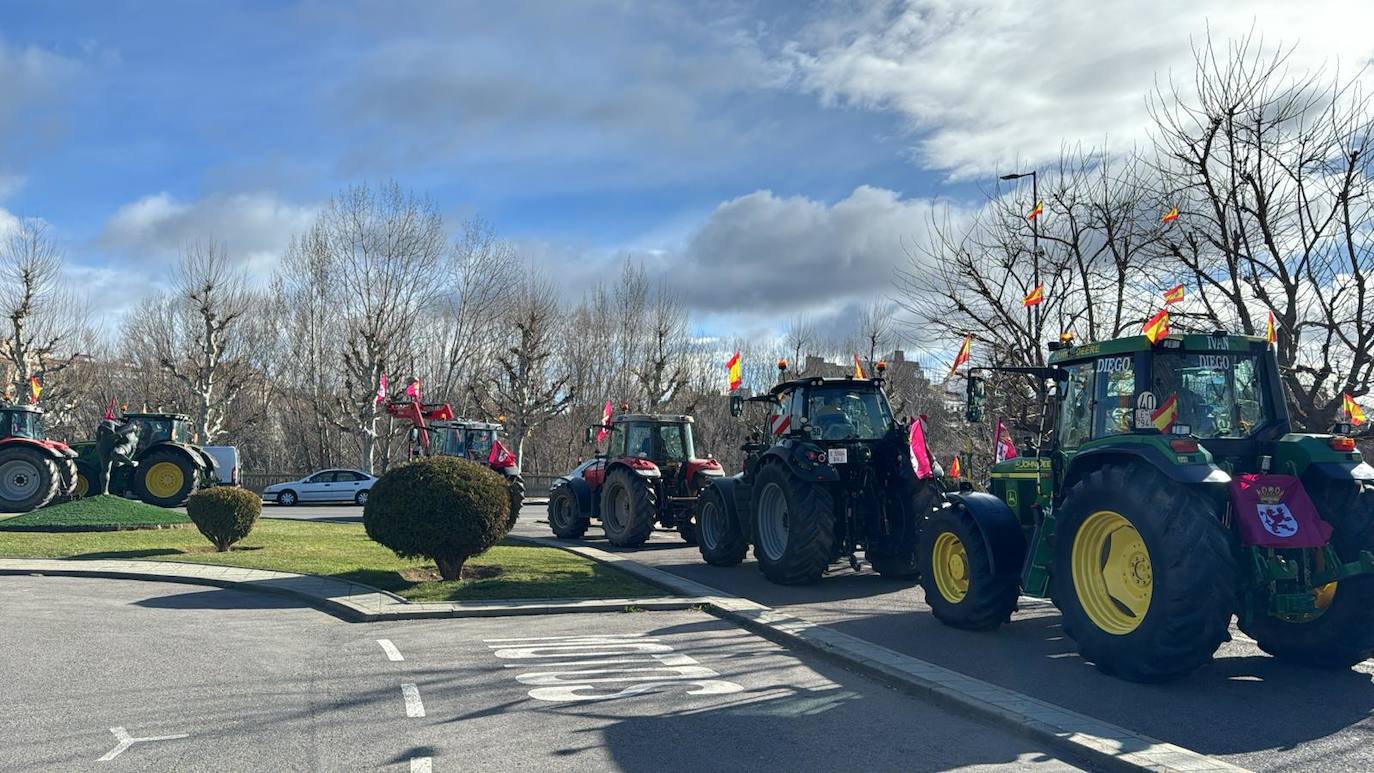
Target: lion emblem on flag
<point>1277,520</point>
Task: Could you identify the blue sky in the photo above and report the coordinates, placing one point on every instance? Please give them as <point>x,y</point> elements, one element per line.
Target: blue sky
<point>741,140</point>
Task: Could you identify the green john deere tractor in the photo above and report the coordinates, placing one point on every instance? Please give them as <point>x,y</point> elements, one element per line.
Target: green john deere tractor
<point>1173,495</point>
<point>170,469</point>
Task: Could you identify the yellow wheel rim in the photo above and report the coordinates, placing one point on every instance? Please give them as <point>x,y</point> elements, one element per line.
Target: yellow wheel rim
<point>949,564</point>
<point>164,480</point>
<point>1112,573</point>
<point>83,486</point>
<point>1324,595</point>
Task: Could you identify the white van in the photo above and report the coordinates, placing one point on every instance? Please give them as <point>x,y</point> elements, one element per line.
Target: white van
<point>226,459</point>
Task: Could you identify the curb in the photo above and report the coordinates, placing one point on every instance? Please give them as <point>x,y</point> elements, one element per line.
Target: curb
<point>1104,745</point>
<point>349,601</point>
<point>96,528</point>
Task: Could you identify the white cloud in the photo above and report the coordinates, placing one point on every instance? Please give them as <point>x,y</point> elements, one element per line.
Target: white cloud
<point>30,75</point>
<point>255,227</point>
<point>988,83</point>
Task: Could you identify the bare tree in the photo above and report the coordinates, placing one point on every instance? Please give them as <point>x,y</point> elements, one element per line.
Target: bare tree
<point>42,322</point>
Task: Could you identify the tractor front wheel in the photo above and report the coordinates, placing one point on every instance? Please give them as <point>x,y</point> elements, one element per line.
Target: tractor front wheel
<point>957,576</point>
<point>28,479</point>
<point>564,518</point>
<point>794,521</point>
<point>629,508</point>
<point>1343,634</point>
<point>720,536</point>
<point>1144,575</point>
<point>166,479</point>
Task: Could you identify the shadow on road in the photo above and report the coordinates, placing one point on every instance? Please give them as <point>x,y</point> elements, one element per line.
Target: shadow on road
<point>220,598</point>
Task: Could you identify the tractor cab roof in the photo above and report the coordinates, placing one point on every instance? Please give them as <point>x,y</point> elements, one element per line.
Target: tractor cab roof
<point>172,416</point>
<point>1217,342</point>
<point>466,424</point>
<point>847,382</point>
<point>651,418</point>
<point>20,407</point>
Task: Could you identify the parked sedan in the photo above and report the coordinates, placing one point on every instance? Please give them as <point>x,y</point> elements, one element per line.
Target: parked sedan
<point>323,486</point>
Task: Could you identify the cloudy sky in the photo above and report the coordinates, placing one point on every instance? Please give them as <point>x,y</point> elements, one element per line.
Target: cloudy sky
<point>772,157</point>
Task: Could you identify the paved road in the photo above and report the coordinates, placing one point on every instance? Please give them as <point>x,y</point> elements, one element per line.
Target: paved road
<point>1246,708</point>
<point>255,683</point>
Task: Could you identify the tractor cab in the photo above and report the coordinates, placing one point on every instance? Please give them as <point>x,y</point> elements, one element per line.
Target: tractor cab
<point>156,428</point>
<point>467,439</point>
<point>661,439</point>
<point>22,421</point>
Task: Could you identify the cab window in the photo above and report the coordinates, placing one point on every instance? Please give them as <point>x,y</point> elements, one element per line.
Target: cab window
<point>1075,405</point>
<point>617,447</point>
<point>639,440</point>
<point>1114,397</point>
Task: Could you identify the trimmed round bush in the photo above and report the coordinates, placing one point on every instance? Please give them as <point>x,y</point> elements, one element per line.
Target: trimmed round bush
<point>438,507</point>
<point>224,514</point>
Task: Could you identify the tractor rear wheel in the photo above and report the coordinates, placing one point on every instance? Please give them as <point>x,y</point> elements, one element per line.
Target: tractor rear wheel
<point>687,529</point>
<point>515,487</point>
<point>794,524</point>
<point>564,518</point>
<point>629,508</point>
<point>897,556</point>
<point>720,535</point>
<point>166,478</point>
<point>956,573</point>
<point>1143,575</point>
<point>1343,634</point>
<point>28,479</point>
<point>86,478</point>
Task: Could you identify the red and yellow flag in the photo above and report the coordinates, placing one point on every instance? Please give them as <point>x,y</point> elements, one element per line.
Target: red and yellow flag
<point>1170,216</point>
<point>963,355</point>
<point>732,370</point>
<point>1037,211</point>
<point>1157,327</point>
<point>954,469</point>
<point>35,386</point>
<point>1173,294</point>
<point>1165,415</point>
<point>1271,333</point>
<point>1034,297</point>
<point>1353,410</point>
<point>858,368</point>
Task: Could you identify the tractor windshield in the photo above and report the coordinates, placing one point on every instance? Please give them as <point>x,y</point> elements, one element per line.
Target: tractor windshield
<point>449,441</point>
<point>846,413</point>
<point>676,442</point>
<point>1213,395</point>
<point>26,424</point>
<point>479,443</point>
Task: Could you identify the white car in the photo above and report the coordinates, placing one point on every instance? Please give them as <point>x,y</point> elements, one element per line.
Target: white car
<point>323,486</point>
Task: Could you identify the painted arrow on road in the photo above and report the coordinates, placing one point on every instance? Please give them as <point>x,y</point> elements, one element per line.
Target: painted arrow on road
<point>125,741</point>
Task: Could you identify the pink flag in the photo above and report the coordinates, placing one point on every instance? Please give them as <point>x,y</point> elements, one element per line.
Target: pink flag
<point>605,423</point>
<point>920,454</point>
<point>381,389</point>
<point>1002,446</point>
<point>500,457</point>
<point>413,388</point>
<point>1274,511</point>
<point>109,410</point>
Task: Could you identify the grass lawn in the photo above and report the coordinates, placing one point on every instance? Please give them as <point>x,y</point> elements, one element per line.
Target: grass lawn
<point>98,512</point>
<point>345,552</point>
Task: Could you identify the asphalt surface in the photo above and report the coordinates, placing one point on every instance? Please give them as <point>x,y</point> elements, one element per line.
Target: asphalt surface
<point>228,680</point>
<point>1246,708</point>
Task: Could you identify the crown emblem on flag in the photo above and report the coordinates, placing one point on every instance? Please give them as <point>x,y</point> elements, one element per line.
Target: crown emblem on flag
<point>1270,495</point>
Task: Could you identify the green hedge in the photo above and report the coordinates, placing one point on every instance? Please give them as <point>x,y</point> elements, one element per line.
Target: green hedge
<point>224,514</point>
<point>440,507</point>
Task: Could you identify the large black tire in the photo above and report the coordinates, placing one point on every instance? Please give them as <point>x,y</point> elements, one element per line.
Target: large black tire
<point>87,481</point>
<point>565,518</point>
<point>515,487</point>
<point>687,529</point>
<point>68,479</point>
<point>720,535</point>
<point>896,556</point>
<point>794,527</point>
<point>956,573</point>
<point>629,507</point>
<point>1343,634</point>
<point>157,485</point>
<point>1181,561</point>
<point>28,478</point>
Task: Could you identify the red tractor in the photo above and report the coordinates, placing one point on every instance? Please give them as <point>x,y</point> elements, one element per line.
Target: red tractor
<point>33,469</point>
<point>435,432</point>
<point>649,474</point>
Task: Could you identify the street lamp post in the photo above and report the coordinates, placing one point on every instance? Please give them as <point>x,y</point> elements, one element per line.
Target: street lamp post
<point>1034,311</point>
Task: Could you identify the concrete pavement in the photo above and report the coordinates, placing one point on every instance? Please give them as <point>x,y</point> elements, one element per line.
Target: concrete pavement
<point>253,682</point>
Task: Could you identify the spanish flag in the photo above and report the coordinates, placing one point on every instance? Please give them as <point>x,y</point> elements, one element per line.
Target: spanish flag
<point>954,469</point>
<point>1035,297</point>
<point>35,386</point>
<point>1157,327</point>
<point>1165,415</point>
<point>1170,216</point>
<point>1271,333</point>
<point>1173,295</point>
<point>732,370</point>
<point>1037,212</point>
<point>963,355</point>
<point>858,368</point>
<point>1353,410</point>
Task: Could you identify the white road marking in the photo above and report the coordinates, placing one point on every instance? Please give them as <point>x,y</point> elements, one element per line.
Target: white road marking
<point>392,654</point>
<point>414,706</point>
<point>421,765</point>
<point>125,741</point>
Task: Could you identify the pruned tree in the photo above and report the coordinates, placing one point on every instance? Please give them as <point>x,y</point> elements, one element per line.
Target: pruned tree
<point>42,322</point>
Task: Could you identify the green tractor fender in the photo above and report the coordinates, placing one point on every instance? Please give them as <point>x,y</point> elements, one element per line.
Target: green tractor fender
<point>1189,469</point>
<point>1312,458</point>
<point>198,458</point>
<point>1002,533</point>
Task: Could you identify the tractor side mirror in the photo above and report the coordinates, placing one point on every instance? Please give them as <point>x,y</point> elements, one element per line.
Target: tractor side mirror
<point>975,397</point>
<point>736,405</point>
<point>590,437</point>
